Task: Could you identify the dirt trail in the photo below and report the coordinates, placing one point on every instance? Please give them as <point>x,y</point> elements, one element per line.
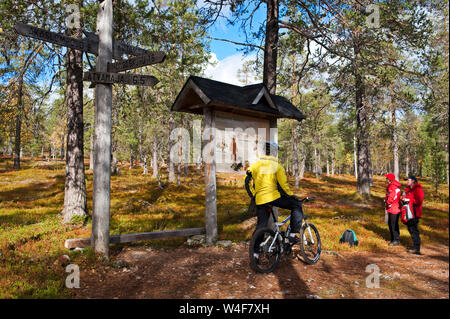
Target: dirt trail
<point>217,272</point>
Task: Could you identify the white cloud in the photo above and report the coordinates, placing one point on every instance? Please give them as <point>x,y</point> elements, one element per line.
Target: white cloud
<point>226,70</point>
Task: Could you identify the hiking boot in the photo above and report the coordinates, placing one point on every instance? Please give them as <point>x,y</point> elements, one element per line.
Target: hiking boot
<point>394,243</point>
<point>414,251</point>
<point>294,239</point>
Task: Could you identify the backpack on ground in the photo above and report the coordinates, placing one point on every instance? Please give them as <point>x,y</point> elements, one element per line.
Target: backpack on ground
<point>349,236</point>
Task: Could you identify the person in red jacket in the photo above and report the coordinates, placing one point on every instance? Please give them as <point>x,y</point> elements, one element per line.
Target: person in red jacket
<point>414,197</point>
<point>392,202</point>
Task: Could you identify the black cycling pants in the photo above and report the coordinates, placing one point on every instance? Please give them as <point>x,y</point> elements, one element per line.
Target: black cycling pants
<point>286,202</point>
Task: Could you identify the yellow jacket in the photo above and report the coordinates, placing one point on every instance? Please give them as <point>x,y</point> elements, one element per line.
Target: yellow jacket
<point>266,172</point>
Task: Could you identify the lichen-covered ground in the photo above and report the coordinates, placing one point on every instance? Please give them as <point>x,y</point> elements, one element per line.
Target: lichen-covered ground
<point>32,241</point>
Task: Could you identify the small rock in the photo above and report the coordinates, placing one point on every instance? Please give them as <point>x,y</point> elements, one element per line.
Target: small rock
<point>137,255</point>
<point>252,287</point>
<point>225,243</point>
<point>79,249</point>
<point>356,282</point>
<point>309,280</point>
<point>342,295</point>
<point>119,263</point>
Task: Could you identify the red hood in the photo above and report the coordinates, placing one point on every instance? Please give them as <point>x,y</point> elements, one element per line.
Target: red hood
<point>416,185</point>
<point>395,183</point>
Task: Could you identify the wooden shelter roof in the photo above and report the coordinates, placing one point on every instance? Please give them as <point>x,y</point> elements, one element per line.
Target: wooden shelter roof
<point>198,93</point>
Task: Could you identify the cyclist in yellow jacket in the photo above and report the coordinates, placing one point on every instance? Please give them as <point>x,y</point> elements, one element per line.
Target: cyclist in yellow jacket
<point>270,187</point>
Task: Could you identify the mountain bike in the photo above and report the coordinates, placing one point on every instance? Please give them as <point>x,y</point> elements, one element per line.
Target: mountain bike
<point>265,256</point>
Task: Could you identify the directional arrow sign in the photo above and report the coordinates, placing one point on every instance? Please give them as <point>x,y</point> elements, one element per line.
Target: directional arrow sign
<point>88,44</point>
<point>121,78</point>
<point>137,62</point>
<point>57,38</point>
<point>120,48</point>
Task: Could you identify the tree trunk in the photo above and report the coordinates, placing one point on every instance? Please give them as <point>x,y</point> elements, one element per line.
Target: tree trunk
<point>91,152</point>
<point>171,164</point>
<point>61,151</point>
<point>395,146</point>
<point>155,158</point>
<point>303,163</point>
<point>145,165</point>
<point>270,47</point>
<point>131,160</point>
<point>362,126</point>
<point>407,163</point>
<point>18,130</point>
<point>75,186</point>
<point>328,166</point>
<point>355,157</point>
<point>332,164</point>
<point>295,155</point>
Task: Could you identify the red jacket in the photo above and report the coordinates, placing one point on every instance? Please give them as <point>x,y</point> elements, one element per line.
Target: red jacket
<point>392,199</point>
<point>415,196</point>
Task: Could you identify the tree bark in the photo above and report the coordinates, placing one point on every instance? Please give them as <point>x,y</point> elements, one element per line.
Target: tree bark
<point>155,157</point>
<point>362,126</point>
<point>91,152</point>
<point>171,164</point>
<point>395,145</point>
<point>270,47</point>
<point>407,163</point>
<point>295,155</point>
<point>145,165</point>
<point>303,163</point>
<point>18,130</point>
<point>75,203</point>
<point>332,164</point>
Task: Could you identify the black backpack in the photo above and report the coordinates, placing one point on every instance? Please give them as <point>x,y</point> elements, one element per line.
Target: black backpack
<point>349,237</point>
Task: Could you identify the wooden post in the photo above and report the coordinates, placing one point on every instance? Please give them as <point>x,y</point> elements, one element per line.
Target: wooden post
<point>102,148</point>
<point>210,176</point>
<point>273,138</point>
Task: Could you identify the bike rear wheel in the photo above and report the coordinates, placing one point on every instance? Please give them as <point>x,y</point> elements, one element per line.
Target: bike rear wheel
<point>267,260</point>
<point>310,245</point>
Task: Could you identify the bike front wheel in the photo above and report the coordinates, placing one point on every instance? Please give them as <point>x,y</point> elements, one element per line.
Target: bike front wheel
<point>264,251</point>
<point>310,245</point>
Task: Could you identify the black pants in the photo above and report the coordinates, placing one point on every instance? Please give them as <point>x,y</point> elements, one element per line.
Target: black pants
<point>413,228</point>
<point>291,203</point>
<point>393,226</point>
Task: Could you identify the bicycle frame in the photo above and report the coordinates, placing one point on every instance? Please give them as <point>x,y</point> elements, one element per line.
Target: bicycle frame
<point>278,233</point>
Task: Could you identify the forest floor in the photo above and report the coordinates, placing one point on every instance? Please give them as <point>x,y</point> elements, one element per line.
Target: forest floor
<point>32,241</point>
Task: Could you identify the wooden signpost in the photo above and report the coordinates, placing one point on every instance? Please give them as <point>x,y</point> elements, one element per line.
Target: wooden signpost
<point>105,74</point>
<point>120,78</point>
<point>88,44</point>
<point>137,62</point>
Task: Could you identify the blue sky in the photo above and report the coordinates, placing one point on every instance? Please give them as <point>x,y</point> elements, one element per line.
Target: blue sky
<point>228,56</point>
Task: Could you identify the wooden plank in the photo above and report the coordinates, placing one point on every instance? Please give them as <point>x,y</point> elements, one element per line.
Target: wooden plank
<point>56,38</point>
<point>120,78</point>
<point>88,44</point>
<point>119,48</point>
<point>137,62</point>
<point>127,238</point>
